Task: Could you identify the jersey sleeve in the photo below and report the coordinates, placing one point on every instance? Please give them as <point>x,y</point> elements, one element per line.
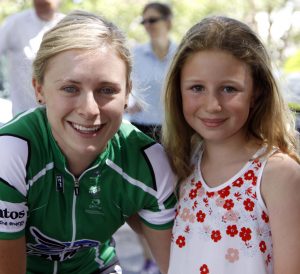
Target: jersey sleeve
<point>161,213</point>
<point>13,190</point>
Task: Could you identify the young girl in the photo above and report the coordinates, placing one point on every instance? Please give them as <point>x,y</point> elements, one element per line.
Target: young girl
<point>231,141</point>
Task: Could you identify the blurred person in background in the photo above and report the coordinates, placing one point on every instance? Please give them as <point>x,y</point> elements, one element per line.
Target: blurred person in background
<point>20,38</point>
<point>150,63</point>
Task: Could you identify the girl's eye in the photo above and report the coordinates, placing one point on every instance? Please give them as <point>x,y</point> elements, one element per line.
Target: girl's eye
<point>229,89</point>
<point>197,88</point>
<point>70,89</point>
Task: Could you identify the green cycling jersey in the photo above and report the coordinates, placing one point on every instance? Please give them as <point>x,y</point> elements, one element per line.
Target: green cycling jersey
<point>68,221</point>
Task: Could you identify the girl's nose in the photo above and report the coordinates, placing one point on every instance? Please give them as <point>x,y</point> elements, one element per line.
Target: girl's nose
<point>213,103</point>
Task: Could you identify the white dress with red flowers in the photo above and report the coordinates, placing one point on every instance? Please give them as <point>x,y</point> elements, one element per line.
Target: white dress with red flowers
<point>224,229</point>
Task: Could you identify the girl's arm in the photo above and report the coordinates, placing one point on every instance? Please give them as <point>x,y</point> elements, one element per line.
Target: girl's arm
<point>13,256</point>
<point>281,191</point>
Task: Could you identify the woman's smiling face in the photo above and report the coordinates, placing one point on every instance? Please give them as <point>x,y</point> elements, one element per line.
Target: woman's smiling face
<point>85,94</point>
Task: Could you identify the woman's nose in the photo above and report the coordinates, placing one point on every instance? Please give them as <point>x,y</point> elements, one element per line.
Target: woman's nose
<point>88,105</point>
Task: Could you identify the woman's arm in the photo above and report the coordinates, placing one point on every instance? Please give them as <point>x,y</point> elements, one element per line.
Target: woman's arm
<point>281,191</point>
<point>159,242</point>
<point>13,256</point>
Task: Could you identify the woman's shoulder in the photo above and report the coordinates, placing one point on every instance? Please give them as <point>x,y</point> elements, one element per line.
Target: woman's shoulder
<point>26,124</point>
<point>128,136</point>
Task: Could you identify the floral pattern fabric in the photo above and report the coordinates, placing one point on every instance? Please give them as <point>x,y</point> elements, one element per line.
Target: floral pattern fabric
<point>224,229</point>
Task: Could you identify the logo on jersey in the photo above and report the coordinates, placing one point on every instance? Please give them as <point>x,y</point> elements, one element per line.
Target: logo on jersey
<point>6,214</point>
<point>95,206</point>
<point>12,217</point>
<point>55,250</point>
<point>59,183</point>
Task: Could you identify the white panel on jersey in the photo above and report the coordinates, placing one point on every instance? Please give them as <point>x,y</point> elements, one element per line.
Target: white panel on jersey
<point>12,216</point>
<point>13,159</point>
<point>158,218</point>
<point>165,178</point>
<point>130,179</point>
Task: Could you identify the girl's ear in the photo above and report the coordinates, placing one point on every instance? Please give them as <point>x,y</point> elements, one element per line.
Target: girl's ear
<point>38,91</point>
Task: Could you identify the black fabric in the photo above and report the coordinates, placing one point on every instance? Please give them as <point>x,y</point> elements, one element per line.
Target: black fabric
<point>153,131</point>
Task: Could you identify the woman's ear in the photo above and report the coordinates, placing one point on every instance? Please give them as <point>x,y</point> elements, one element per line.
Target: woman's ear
<point>38,91</point>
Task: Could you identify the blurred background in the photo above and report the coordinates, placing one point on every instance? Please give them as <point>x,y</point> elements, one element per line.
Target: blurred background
<point>276,21</point>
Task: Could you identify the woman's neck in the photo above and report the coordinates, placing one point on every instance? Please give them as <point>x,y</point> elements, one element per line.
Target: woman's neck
<point>160,47</point>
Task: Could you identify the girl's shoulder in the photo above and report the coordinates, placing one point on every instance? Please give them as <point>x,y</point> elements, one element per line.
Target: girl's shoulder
<point>281,176</point>
<point>281,165</point>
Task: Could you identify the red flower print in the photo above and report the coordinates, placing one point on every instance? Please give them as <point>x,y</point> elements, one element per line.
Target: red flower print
<point>237,195</point>
<point>254,180</point>
<point>224,192</point>
<point>265,217</point>
<point>193,193</point>
<point>257,162</point>
<point>248,191</point>
<point>180,241</point>
<point>249,175</point>
<point>204,269</point>
<point>210,194</point>
<point>200,216</point>
<point>216,235</point>
<point>187,229</point>
<point>198,185</point>
<point>238,183</point>
<point>229,204</point>
<point>248,204</point>
<point>195,205</point>
<point>245,234</point>
<point>262,246</point>
<point>205,200</point>
<point>232,230</point>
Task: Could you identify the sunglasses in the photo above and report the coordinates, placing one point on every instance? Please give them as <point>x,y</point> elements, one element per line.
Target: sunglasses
<point>152,20</point>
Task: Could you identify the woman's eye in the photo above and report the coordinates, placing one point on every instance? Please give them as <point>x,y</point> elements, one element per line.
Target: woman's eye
<point>197,88</point>
<point>70,89</point>
<point>107,90</point>
<point>229,89</point>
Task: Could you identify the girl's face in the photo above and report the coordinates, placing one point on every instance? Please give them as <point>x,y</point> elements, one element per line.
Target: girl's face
<point>155,24</point>
<point>217,94</point>
<point>85,94</point>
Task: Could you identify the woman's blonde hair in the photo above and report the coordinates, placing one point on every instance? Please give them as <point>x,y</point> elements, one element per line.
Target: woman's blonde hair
<point>270,120</point>
<point>85,31</point>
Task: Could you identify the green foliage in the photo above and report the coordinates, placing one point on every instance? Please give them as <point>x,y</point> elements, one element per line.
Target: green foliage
<point>292,64</point>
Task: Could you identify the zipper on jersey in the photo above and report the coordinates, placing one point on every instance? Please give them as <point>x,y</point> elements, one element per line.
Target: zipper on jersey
<point>76,186</point>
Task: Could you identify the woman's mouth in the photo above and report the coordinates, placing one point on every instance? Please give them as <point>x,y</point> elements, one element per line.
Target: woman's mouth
<point>84,129</point>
